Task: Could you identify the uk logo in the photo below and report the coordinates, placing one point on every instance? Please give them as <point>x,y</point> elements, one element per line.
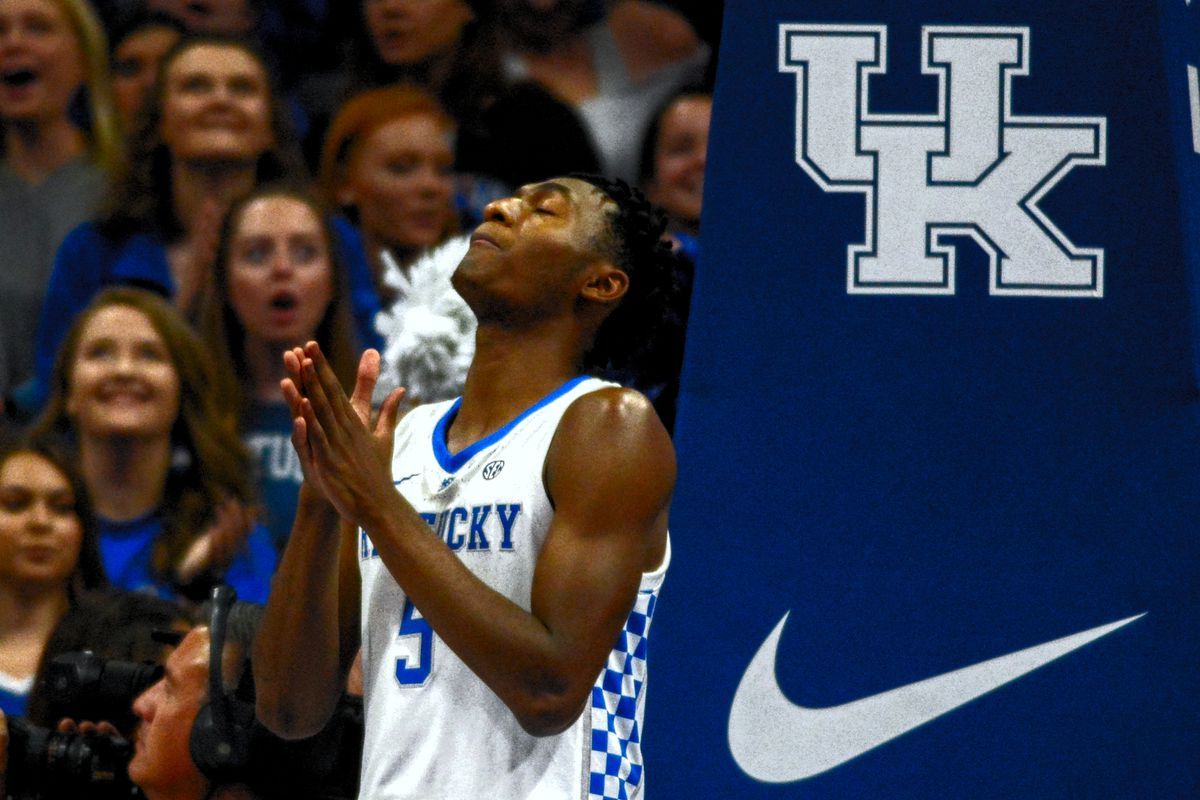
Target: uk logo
<point>973,169</point>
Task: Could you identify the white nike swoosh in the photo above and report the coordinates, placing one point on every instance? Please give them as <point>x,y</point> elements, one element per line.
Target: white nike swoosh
<point>777,741</point>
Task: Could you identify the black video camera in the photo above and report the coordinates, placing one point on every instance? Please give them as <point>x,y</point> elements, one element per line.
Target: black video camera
<point>47,765</point>
<point>85,686</point>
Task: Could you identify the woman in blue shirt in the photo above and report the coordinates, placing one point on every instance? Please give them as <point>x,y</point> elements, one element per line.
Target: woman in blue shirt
<point>159,451</point>
<point>278,283</point>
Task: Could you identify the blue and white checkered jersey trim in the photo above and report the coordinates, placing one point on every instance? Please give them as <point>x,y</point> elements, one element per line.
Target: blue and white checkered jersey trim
<point>618,704</point>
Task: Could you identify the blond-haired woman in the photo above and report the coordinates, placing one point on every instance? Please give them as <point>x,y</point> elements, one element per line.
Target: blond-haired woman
<point>60,147</point>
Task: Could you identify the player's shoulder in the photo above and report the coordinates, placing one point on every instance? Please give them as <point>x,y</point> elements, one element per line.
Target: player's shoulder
<point>611,443</point>
<point>611,406</point>
<point>613,419</point>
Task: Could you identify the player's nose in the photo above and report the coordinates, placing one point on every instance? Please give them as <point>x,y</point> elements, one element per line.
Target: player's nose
<point>503,210</point>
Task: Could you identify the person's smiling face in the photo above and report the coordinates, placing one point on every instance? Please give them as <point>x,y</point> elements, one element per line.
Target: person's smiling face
<point>122,380</point>
<point>400,182</point>
<point>216,105</point>
<point>680,156</point>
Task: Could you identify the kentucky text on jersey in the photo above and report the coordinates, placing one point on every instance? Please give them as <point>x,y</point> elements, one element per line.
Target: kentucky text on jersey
<point>472,528</point>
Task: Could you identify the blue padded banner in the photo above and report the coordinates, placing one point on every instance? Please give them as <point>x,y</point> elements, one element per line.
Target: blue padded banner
<point>939,410</point>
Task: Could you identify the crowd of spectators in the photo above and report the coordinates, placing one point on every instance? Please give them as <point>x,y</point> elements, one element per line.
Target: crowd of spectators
<point>189,188</point>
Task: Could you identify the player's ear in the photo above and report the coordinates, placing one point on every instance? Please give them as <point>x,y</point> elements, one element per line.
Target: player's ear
<point>607,284</point>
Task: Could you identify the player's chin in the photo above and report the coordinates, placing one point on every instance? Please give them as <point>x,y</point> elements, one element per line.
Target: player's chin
<point>467,275</point>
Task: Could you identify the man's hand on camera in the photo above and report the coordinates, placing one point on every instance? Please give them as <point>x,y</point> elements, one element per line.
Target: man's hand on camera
<point>87,727</point>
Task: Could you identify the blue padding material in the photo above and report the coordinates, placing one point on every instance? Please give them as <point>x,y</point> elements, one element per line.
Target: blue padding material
<point>928,481</point>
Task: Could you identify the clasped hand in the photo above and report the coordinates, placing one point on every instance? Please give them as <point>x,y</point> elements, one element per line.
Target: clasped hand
<point>344,456</point>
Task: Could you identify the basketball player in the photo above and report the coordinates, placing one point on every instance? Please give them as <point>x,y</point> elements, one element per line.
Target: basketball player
<point>511,555</point>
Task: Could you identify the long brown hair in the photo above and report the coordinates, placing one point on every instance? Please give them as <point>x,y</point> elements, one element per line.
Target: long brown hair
<point>222,330</point>
<point>143,201</point>
<point>210,464</point>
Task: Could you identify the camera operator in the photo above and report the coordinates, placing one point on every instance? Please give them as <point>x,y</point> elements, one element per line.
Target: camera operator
<point>196,737</point>
<point>163,765</point>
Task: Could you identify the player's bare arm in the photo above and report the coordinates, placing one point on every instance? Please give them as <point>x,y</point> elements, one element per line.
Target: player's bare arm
<point>609,473</point>
<point>310,633</point>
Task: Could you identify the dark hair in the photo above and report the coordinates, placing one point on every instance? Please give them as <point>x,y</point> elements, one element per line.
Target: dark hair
<point>545,30</point>
<point>223,331</point>
<point>626,345</point>
<point>647,169</point>
<point>113,625</point>
<point>216,466</point>
<point>143,201</point>
<point>89,569</point>
<point>141,19</point>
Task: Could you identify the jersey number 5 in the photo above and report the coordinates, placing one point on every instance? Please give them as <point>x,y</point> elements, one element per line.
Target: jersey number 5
<point>412,624</point>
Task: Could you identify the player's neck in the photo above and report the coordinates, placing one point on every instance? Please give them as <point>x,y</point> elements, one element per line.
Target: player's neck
<point>511,371</point>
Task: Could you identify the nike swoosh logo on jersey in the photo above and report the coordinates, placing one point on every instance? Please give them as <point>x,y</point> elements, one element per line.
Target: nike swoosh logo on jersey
<point>777,741</point>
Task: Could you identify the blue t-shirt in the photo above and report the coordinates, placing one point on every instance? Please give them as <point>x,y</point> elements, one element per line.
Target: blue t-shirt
<point>14,694</point>
<point>268,436</point>
<point>127,550</point>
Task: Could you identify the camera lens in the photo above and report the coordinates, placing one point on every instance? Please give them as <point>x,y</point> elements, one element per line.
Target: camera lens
<point>84,686</point>
<point>48,765</point>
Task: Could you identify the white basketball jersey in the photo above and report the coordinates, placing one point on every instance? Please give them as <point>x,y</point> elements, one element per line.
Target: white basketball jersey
<point>434,730</point>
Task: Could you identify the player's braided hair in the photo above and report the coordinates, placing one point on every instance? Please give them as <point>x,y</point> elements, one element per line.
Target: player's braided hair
<point>628,345</point>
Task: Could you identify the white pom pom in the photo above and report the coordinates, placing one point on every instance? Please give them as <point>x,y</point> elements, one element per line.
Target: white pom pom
<point>429,332</point>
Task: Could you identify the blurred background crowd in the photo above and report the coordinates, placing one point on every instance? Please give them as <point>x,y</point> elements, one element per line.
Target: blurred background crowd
<point>189,188</point>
